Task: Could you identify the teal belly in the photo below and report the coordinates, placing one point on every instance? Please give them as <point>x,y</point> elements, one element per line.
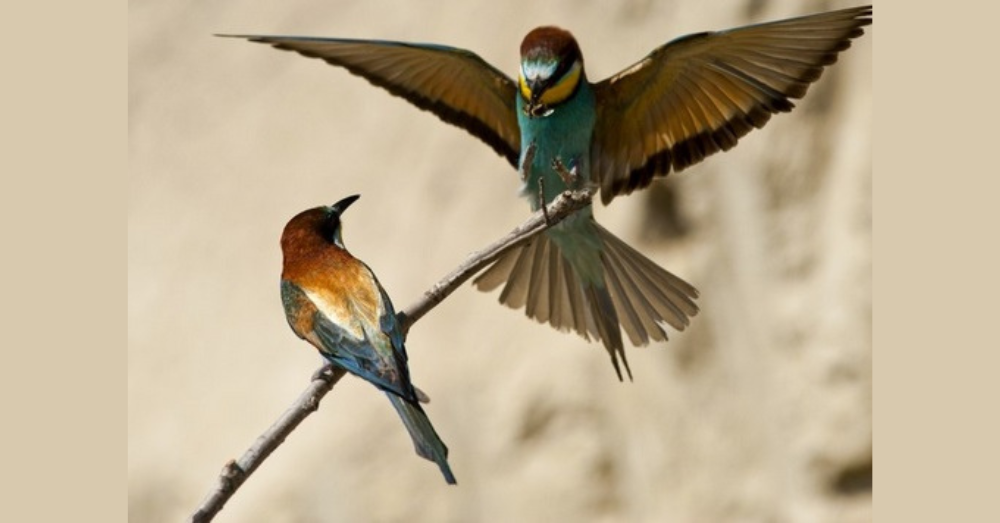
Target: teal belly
<point>564,135</point>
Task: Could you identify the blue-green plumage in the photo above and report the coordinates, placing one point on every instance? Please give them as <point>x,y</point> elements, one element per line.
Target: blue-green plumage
<point>687,99</point>
<point>565,134</point>
<point>562,137</point>
<point>555,148</point>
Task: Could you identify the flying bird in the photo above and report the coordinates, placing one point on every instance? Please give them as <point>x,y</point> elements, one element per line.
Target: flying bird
<point>691,97</point>
<point>335,302</point>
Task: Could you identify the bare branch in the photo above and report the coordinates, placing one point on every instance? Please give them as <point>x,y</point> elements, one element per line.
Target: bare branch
<point>234,473</point>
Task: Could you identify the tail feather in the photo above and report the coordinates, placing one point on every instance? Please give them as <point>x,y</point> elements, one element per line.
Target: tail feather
<point>544,282</point>
<point>624,293</point>
<point>668,291</point>
<point>634,293</point>
<point>636,286</point>
<point>657,296</point>
<point>498,273</point>
<point>602,310</point>
<point>538,289</point>
<point>515,292</point>
<point>426,442</point>
<point>559,312</point>
<point>566,303</point>
<point>582,322</point>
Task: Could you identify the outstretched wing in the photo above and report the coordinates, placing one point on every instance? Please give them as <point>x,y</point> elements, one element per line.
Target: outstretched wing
<point>455,84</point>
<point>700,93</point>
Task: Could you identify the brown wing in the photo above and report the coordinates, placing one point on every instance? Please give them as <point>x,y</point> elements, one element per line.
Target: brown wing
<point>456,85</point>
<point>700,93</point>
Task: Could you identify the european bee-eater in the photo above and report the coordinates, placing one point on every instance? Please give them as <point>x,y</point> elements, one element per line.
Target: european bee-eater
<point>335,302</point>
<point>689,98</point>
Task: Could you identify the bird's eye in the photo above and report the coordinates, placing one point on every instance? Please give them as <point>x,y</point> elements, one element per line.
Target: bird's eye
<point>562,89</point>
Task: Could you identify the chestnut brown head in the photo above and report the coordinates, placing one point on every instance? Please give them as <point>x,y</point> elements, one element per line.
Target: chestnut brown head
<point>551,69</point>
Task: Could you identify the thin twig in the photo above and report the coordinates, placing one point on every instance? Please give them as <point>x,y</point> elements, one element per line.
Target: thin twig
<point>235,472</point>
<point>541,200</point>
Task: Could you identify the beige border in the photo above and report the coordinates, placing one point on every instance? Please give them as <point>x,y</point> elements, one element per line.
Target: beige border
<point>935,349</point>
<point>63,275</point>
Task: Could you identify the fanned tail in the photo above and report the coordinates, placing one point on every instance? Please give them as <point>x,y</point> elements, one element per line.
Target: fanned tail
<point>602,309</point>
<point>426,442</point>
<point>631,291</point>
<point>647,296</point>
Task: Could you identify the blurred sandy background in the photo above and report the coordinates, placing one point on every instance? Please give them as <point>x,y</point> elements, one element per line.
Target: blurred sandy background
<point>761,411</point>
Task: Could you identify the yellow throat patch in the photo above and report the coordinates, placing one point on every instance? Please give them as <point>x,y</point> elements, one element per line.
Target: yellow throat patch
<point>558,92</point>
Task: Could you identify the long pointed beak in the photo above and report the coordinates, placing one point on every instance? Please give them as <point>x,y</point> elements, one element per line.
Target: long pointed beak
<point>342,205</point>
<point>537,87</point>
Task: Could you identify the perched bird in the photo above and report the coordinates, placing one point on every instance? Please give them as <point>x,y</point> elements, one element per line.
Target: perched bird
<point>333,301</point>
<point>689,98</point>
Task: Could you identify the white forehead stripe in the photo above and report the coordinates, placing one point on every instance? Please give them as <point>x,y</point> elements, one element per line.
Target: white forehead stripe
<point>538,71</point>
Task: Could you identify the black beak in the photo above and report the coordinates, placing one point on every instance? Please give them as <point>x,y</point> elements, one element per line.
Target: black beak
<point>537,88</point>
<point>341,206</point>
<point>533,107</point>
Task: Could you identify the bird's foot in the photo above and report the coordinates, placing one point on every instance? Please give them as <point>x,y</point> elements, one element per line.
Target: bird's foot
<point>569,176</point>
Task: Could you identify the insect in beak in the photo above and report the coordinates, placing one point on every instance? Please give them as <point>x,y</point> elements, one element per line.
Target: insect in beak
<point>535,109</point>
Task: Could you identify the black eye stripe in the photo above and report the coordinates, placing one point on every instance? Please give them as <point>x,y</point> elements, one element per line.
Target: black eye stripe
<point>328,227</point>
<point>561,70</point>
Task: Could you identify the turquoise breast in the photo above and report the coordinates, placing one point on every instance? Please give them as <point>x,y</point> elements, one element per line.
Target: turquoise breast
<point>564,134</point>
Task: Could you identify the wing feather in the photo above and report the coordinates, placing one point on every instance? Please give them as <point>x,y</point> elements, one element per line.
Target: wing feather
<point>455,84</point>
<point>700,93</point>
